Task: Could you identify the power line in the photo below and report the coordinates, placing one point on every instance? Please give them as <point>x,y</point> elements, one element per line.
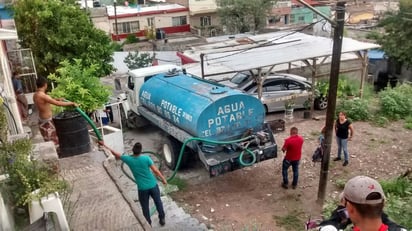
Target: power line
<point>263,44</point>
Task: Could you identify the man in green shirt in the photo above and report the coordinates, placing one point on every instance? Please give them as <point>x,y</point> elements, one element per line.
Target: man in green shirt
<point>142,167</point>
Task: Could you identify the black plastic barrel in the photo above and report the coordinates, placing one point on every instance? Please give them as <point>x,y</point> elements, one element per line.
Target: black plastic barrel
<point>73,134</point>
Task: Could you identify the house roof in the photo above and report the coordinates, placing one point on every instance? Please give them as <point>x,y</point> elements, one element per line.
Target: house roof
<point>310,2</point>
<point>6,34</point>
<point>266,50</point>
<point>133,11</point>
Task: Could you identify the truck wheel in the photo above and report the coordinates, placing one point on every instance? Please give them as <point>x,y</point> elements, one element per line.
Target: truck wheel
<point>171,150</point>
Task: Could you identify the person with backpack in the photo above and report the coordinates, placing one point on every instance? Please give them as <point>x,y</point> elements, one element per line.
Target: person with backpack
<point>317,155</point>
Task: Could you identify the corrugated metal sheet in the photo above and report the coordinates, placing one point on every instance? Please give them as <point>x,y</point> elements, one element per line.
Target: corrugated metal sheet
<point>268,50</point>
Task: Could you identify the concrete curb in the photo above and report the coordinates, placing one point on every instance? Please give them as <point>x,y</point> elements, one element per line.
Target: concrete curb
<point>108,165</point>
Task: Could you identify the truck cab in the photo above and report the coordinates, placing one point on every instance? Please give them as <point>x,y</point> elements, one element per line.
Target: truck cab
<point>135,79</point>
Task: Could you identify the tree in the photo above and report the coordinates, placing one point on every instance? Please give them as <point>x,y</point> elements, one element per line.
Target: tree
<point>397,42</point>
<point>135,60</point>
<point>241,16</point>
<point>58,30</point>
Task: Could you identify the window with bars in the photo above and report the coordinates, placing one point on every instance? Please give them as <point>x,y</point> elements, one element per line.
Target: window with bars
<point>205,21</point>
<point>178,21</point>
<point>151,22</point>
<point>127,27</point>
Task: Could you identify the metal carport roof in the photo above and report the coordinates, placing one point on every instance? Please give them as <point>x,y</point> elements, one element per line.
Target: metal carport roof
<point>267,50</point>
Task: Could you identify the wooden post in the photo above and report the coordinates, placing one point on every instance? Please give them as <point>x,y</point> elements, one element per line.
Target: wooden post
<point>314,73</point>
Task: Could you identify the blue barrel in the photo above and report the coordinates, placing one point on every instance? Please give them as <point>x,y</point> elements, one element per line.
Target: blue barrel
<point>202,108</point>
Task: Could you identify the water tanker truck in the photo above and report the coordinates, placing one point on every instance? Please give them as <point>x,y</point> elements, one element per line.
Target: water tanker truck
<point>223,126</point>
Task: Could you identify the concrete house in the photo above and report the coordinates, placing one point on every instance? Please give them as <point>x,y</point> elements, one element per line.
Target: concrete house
<point>139,20</point>
<point>204,20</point>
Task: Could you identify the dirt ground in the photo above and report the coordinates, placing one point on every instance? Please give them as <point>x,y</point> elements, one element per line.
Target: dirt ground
<point>252,199</point>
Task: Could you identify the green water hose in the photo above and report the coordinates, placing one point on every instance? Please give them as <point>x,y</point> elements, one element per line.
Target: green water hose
<point>179,159</point>
<point>87,118</point>
<point>153,209</point>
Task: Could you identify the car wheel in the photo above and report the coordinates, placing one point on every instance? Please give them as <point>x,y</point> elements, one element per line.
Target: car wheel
<point>321,103</point>
<point>266,109</point>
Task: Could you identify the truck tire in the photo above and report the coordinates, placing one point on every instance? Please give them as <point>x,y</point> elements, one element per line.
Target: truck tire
<point>171,150</point>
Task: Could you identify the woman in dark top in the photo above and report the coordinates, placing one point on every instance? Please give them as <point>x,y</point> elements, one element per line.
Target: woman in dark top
<point>344,132</point>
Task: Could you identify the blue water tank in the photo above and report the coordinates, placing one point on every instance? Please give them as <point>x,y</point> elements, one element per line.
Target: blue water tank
<point>202,108</point>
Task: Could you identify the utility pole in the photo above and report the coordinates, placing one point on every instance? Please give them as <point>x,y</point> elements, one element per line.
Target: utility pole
<point>115,20</point>
<point>338,26</point>
<point>333,87</point>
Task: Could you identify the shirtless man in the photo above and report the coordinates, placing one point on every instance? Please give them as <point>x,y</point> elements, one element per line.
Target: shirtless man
<point>43,103</point>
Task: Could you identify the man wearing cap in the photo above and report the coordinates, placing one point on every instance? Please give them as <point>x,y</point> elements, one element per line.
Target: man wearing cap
<point>364,201</point>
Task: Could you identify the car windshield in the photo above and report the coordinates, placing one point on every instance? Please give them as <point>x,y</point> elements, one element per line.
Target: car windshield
<point>240,78</point>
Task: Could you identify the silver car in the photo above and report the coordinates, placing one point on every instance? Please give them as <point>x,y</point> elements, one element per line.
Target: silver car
<point>277,89</point>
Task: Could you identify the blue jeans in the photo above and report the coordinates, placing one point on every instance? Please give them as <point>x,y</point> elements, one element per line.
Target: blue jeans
<point>342,144</point>
<point>295,167</point>
<point>144,202</point>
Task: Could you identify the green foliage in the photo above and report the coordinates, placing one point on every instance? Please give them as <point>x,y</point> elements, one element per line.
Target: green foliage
<point>150,33</point>
<point>356,109</point>
<point>57,30</point>
<point>396,103</point>
<point>3,123</point>
<point>292,221</point>
<point>25,175</point>
<point>307,104</point>
<point>399,200</point>
<point>179,182</point>
<point>329,206</point>
<point>135,60</point>
<point>398,204</point>
<point>398,31</point>
<point>322,87</point>
<point>240,16</point>
<point>289,103</point>
<point>380,121</point>
<point>117,47</point>
<point>81,85</point>
<point>408,123</point>
<point>131,38</point>
<point>373,35</point>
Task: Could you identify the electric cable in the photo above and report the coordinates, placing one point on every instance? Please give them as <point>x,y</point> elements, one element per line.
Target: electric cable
<point>267,43</point>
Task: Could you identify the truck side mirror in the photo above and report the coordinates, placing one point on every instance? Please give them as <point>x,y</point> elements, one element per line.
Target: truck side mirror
<point>130,84</point>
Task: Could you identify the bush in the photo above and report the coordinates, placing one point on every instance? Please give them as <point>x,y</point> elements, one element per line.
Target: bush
<point>355,109</point>
<point>399,201</point>
<point>396,103</point>
<point>79,84</point>
<point>25,175</point>
<point>131,38</point>
<point>408,122</point>
<point>380,121</point>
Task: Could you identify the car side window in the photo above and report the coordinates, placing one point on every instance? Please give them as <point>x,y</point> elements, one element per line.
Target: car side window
<point>240,78</point>
<point>274,86</point>
<point>292,85</point>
